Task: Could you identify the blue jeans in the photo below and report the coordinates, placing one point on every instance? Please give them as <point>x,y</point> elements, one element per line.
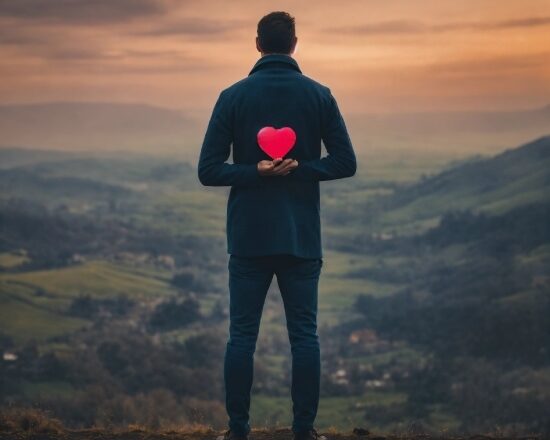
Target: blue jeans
<point>249,281</point>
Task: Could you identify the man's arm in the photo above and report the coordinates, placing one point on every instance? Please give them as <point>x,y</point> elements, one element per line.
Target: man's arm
<point>340,161</point>
<point>212,168</point>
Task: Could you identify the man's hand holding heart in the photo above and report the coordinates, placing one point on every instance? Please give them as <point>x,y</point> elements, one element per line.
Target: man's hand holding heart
<point>276,143</point>
<point>276,167</point>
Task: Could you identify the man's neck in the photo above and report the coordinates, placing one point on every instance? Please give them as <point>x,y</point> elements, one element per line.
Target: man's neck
<point>276,53</point>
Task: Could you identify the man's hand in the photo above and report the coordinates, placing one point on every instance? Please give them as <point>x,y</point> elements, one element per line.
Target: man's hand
<point>276,167</point>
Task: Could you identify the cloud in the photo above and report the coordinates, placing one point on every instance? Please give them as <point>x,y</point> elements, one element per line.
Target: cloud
<point>496,65</point>
<point>74,44</point>
<point>16,36</point>
<point>192,27</point>
<point>80,11</point>
<point>47,43</point>
<point>522,22</point>
<point>177,67</point>
<point>416,27</point>
<point>96,54</point>
<point>385,27</point>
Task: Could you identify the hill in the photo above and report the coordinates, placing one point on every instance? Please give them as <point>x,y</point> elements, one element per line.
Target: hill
<point>491,185</point>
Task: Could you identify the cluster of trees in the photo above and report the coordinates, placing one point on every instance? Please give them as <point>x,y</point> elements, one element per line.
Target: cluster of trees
<point>518,230</point>
<point>482,322</point>
<point>175,313</point>
<point>88,307</point>
<point>110,367</point>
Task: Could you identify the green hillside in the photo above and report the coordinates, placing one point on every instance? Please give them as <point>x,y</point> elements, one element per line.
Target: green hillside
<point>492,185</point>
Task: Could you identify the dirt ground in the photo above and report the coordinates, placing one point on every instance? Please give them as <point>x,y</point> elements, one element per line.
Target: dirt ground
<point>256,434</point>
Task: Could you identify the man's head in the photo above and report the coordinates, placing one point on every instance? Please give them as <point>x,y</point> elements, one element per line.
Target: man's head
<point>276,33</point>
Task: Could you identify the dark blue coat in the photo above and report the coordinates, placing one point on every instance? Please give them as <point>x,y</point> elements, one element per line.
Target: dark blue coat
<point>275,214</point>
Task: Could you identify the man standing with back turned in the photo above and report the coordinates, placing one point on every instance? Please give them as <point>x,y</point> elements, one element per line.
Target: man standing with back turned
<point>276,118</point>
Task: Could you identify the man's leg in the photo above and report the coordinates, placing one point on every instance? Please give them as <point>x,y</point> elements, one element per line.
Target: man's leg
<point>298,280</point>
<point>249,281</point>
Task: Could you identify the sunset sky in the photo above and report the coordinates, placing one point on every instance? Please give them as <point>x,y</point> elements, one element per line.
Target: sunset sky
<point>387,56</point>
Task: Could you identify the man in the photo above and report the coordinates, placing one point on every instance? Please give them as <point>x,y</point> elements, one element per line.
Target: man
<point>273,212</point>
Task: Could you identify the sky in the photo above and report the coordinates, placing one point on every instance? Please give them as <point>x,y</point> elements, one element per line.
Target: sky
<point>375,55</point>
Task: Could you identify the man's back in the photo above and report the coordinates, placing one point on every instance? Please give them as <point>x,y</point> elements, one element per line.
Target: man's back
<point>275,214</point>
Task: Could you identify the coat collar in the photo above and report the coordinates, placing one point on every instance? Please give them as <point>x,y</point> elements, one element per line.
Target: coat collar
<point>275,60</point>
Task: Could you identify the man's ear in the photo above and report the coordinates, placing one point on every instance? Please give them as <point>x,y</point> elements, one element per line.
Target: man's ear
<point>294,45</point>
<point>258,45</point>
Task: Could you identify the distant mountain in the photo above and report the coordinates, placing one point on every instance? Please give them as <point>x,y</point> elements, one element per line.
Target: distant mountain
<point>95,126</point>
<point>110,126</point>
<point>33,186</point>
<point>13,156</point>
<point>53,177</point>
<point>478,121</point>
<point>515,177</point>
<point>447,131</point>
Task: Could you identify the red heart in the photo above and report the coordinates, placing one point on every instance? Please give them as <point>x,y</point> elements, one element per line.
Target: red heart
<point>276,142</point>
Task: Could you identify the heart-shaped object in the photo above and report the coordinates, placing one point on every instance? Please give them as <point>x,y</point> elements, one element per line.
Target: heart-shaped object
<point>276,142</point>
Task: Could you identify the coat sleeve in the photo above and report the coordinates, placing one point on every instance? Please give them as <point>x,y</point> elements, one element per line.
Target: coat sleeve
<point>212,167</point>
<point>340,161</point>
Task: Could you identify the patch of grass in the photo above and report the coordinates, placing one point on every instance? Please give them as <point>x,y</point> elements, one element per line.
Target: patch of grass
<point>97,278</point>
<point>338,412</point>
<point>191,212</point>
<point>540,254</point>
<point>32,303</point>
<point>36,390</point>
<point>443,420</point>
<point>24,321</point>
<point>12,259</point>
<point>400,355</point>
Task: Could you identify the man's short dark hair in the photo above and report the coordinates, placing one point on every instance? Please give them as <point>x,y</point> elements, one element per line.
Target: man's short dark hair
<point>276,32</point>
